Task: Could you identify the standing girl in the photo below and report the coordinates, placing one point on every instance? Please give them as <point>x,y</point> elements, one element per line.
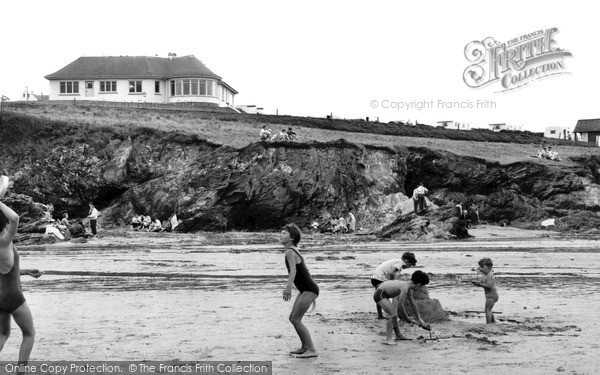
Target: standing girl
<point>12,301</point>
<point>309,290</point>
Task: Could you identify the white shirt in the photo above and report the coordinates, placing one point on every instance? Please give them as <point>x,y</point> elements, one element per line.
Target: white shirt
<point>420,190</point>
<point>93,214</point>
<point>387,269</point>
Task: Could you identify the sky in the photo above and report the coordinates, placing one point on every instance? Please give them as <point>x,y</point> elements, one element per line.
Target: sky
<point>386,60</point>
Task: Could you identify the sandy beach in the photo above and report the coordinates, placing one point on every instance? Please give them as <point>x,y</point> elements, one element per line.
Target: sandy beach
<point>194,297</point>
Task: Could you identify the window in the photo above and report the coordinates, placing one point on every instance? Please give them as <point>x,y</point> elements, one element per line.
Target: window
<point>108,86</point>
<point>552,131</point>
<point>157,87</point>
<point>135,86</point>
<point>69,87</point>
<point>193,87</point>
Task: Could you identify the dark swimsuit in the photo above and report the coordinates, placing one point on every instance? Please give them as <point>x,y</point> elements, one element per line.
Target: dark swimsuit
<point>303,281</point>
<point>11,296</point>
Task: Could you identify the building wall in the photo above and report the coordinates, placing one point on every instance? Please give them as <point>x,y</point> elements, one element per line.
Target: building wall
<point>147,95</point>
<point>591,137</point>
<point>558,132</point>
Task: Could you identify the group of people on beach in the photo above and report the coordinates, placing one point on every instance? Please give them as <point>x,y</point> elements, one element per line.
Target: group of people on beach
<point>64,229</point>
<point>390,292</point>
<point>387,283</point>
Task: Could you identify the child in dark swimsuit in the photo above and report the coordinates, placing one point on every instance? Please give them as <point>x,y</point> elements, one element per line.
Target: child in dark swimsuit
<point>12,301</point>
<point>309,291</point>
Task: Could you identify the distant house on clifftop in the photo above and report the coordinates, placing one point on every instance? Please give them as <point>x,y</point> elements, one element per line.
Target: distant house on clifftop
<point>140,78</point>
<point>454,125</point>
<point>558,132</point>
<point>589,131</point>
<point>505,126</point>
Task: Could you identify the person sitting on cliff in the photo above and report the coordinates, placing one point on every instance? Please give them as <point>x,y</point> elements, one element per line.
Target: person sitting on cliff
<point>291,135</point>
<point>283,135</point>
<point>265,134</point>
<point>553,155</point>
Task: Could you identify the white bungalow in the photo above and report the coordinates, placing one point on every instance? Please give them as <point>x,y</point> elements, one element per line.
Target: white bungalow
<point>140,78</point>
<point>558,132</point>
<point>456,125</point>
<point>505,126</point>
<point>588,130</point>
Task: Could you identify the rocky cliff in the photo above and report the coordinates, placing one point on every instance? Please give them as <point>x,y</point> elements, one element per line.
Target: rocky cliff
<point>214,187</point>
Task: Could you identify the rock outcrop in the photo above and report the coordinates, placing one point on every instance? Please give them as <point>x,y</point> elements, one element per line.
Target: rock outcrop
<point>263,185</point>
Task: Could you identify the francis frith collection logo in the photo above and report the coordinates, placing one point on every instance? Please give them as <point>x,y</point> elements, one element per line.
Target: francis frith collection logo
<point>514,63</point>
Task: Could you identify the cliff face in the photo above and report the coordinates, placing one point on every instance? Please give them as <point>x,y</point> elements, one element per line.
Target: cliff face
<point>264,185</point>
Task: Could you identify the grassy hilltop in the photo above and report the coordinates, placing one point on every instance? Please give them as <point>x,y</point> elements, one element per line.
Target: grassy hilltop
<point>239,130</point>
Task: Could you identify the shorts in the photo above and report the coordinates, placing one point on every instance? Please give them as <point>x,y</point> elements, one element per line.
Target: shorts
<point>375,282</point>
<point>379,295</point>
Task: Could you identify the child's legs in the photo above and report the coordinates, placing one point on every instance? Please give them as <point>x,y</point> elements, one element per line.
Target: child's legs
<point>301,305</point>
<point>489,305</point>
<point>376,283</point>
<point>386,305</point>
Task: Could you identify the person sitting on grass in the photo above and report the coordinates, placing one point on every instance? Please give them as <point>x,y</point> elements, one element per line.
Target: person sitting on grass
<point>553,155</point>
<point>488,283</point>
<point>398,291</point>
<point>265,134</point>
<point>291,135</point>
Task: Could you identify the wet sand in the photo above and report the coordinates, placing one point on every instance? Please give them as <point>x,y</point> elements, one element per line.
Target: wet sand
<point>133,296</point>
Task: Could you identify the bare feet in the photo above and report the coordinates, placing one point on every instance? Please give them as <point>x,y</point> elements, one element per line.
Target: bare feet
<point>391,343</point>
<point>402,337</point>
<point>380,317</point>
<point>298,351</point>
<point>308,354</point>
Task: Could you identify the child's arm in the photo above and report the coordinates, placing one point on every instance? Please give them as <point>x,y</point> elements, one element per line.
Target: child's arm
<point>401,309</point>
<point>13,223</point>
<point>31,272</point>
<point>415,309</point>
<point>487,281</point>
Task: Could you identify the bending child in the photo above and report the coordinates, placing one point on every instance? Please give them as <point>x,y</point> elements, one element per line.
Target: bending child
<point>488,283</point>
<point>390,270</point>
<point>399,290</point>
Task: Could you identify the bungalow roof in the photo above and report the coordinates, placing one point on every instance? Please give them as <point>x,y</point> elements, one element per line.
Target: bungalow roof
<point>133,67</point>
<point>586,126</point>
